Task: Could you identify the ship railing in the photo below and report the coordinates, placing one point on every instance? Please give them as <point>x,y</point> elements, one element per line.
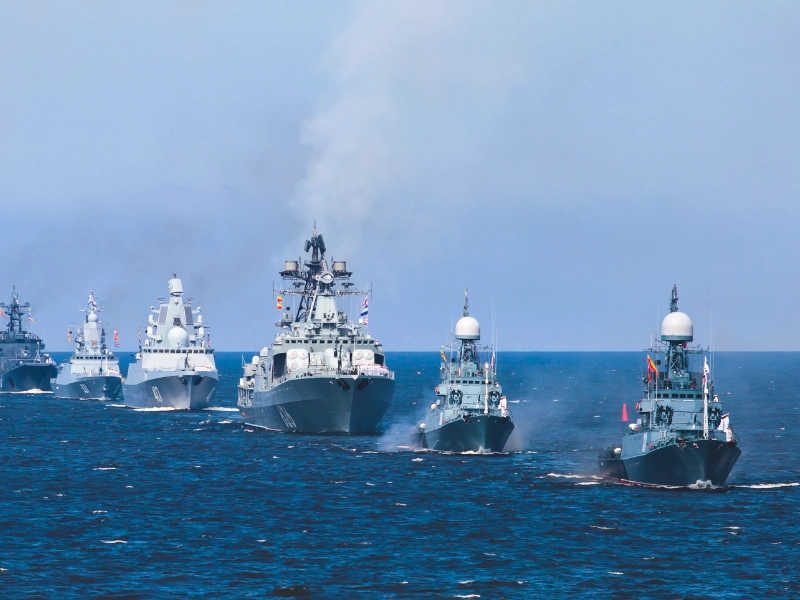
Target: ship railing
<point>311,371</point>
<point>374,371</point>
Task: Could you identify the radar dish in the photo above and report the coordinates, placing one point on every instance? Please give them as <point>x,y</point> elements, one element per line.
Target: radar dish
<point>677,327</point>
<point>468,328</point>
<point>326,278</point>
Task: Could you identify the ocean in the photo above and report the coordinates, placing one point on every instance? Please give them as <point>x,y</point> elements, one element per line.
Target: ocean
<point>102,501</point>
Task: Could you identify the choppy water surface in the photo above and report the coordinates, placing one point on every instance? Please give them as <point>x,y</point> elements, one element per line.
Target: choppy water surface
<point>99,500</point>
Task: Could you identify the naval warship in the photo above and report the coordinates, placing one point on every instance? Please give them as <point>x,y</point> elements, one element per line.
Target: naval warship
<point>24,367</point>
<point>681,436</point>
<point>470,412</point>
<point>324,373</point>
<point>92,372</point>
<point>175,368</point>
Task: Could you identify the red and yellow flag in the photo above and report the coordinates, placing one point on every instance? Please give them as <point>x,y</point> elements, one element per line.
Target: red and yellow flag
<point>651,366</point>
<point>280,303</point>
<point>443,356</point>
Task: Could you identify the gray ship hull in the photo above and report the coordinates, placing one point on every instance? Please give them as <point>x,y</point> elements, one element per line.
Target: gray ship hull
<point>28,377</point>
<point>178,390</point>
<point>673,465</point>
<point>483,433</point>
<point>89,388</point>
<point>322,405</point>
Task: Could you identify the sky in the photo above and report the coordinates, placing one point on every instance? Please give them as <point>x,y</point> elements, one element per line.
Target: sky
<point>566,162</point>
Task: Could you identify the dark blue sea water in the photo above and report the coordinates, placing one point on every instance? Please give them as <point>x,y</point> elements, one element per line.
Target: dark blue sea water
<point>101,501</point>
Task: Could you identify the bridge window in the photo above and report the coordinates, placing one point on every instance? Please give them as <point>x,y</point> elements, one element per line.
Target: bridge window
<point>683,395</point>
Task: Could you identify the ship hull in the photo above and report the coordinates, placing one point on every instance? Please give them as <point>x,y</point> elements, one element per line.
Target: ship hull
<point>173,389</point>
<point>322,405</point>
<point>89,388</point>
<point>28,377</point>
<point>673,465</point>
<point>483,433</point>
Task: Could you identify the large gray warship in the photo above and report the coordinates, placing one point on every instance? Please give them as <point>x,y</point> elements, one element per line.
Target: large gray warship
<point>175,368</point>
<point>324,373</point>
<point>470,413</point>
<point>24,367</point>
<point>92,372</point>
<point>681,436</point>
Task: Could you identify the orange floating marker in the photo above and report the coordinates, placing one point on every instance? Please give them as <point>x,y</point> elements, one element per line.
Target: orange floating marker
<point>624,413</point>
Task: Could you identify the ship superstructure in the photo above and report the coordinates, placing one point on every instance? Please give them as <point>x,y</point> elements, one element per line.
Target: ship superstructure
<point>24,366</point>
<point>92,372</point>
<point>470,413</point>
<point>176,367</point>
<point>681,436</point>
<point>324,373</point>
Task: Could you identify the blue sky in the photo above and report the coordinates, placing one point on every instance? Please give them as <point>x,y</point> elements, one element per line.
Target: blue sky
<point>568,162</point>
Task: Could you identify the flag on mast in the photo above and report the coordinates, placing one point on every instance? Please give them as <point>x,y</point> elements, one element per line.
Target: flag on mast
<point>69,335</point>
<point>280,303</point>
<point>651,366</point>
<point>116,338</point>
<point>365,311</point>
<point>444,358</point>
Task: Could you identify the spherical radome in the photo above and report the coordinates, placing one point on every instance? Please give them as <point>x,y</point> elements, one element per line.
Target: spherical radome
<point>177,336</point>
<point>677,327</point>
<point>92,318</point>
<point>468,328</point>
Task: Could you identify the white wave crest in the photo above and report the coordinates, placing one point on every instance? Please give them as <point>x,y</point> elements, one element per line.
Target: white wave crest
<point>588,483</point>
<point>417,459</point>
<point>114,541</point>
<point>222,408</point>
<point>767,486</point>
<point>566,476</point>
<point>116,405</point>
<point>105,469</point>
<point>155,409</point>
<point>467,596</point>
<point>35,391</point>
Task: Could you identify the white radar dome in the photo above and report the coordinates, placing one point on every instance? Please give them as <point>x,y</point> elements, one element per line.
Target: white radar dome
<point>677,327</point>
<point>468,328</point>
<point>92,318</point>
<point>177,336</point>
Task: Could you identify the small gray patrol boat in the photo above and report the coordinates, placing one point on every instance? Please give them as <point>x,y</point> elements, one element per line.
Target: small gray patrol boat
<point>323,374</point>
<point>470,413</point>
<point>175,368</point>
<point>92,372</point>
<point>24,367</point>
<point>681,436</point>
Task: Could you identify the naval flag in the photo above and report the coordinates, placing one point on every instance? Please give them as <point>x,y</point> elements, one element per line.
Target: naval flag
<point>116,338</point>
<point>365,310</point>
